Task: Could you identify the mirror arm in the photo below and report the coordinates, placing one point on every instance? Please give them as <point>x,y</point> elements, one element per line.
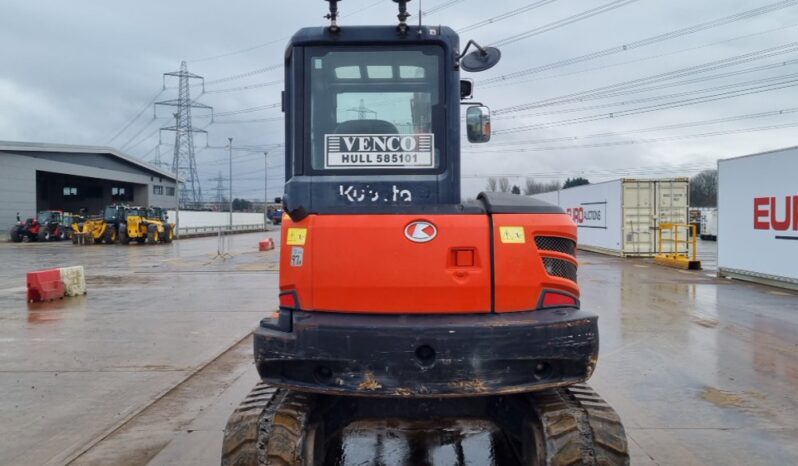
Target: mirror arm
<point>468,45</point>
<point>471,102</point>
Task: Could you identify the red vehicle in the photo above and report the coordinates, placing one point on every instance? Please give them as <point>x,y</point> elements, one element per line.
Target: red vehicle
<point>48,225</point>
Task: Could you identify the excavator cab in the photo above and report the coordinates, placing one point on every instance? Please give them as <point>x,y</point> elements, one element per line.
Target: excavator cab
<point>394,287</point>
<point>372,120</point>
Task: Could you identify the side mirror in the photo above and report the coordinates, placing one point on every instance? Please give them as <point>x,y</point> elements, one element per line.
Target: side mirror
<point>478,124</point>
<point>484,58</point>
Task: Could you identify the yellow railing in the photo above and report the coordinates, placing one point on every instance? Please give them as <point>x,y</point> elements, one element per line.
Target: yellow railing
<point>676,258</point>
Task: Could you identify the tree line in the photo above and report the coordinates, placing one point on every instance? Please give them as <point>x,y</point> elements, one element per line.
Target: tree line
<point>703,187</point>
<point>531,186</point>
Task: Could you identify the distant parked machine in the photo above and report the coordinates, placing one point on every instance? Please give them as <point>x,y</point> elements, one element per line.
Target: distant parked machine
<point>709,224</point>
<point>147,225</point>
<point>72,223</point>
<point>48,225</point>
<point>276,216</point>
<point>103,228</point>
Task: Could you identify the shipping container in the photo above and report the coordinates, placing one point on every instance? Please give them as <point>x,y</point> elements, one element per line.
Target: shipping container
<point>758,217</point>
<point>622,217</point>
<point>709,223</point>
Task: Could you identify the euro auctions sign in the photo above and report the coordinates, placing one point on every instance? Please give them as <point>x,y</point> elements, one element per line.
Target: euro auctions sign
<point>589,214</point>
<point>359,151</point>
<point>778,214</point>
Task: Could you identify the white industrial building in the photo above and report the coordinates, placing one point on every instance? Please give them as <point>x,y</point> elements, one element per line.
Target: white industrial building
<point>36,176</point>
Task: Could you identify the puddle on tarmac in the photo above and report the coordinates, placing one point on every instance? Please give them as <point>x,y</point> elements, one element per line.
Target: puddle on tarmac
<point>421,443</point>
<point>723,398</point>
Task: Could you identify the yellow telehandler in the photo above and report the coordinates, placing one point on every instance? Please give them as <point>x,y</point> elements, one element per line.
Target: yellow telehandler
<point>147,225</point>
<point>104,228</point>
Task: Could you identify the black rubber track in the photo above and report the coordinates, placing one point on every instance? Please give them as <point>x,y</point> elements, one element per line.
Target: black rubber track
<point>268,429</point>
<point>577,427</point>
<point>240,446</point>
<point>285,443</point>
<point>570,426</point>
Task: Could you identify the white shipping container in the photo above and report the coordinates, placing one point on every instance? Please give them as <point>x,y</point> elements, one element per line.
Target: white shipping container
<point>758,217</point>
<point>709,223</point>
<point>622,217</point>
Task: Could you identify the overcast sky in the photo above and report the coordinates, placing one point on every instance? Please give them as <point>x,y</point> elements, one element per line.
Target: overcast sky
<point>79,71</point>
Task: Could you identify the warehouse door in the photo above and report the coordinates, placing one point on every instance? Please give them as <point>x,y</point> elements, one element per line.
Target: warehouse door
<point>81,194</point>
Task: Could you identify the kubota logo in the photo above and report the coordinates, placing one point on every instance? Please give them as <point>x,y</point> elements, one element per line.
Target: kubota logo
<point>420,232</point>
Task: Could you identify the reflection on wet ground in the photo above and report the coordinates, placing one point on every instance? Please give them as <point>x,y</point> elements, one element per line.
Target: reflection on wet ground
<point>702,370</point>
<point>442,442</point>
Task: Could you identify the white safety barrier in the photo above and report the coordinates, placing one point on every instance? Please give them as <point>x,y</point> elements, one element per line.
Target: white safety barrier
<point>74,280</point>
<point>191,220</point>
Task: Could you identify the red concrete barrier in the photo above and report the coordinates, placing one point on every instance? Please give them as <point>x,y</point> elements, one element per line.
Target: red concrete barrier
<point>45,285</point>
<point>266,245</point>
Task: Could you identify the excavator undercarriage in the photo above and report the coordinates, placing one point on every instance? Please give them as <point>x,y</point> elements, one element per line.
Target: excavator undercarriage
<point>566,426</point>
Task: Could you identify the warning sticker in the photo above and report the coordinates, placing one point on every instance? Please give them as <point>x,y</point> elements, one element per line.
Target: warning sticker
<point>296,236</point>
<point>512,235</point>
<point>379,151</point>
<point>297,256</point>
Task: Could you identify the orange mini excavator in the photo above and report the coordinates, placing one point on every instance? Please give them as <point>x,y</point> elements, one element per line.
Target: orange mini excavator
<point>398,299</point>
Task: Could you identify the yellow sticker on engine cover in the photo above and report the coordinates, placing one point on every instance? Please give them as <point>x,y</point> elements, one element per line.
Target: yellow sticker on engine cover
<point>296,236</point>
<point>512,235</point>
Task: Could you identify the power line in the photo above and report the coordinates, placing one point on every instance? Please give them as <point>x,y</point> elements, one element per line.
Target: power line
<point>245,88</point>
<point>274,41</point>
<point>663,86</point>
<point>247,110</point>
<point>647,41</point>
<point>440,7</point>
<point>503,16</point>
<point>662,97</point>
<point>691,124</point>
<point>644,141</point>
<point>245,74</point>
<point>253,120</point>
<point>127,145</point>
<point>136,117</point>
<point>635,83</point>
<point>621,171</point>
<point>638,60</point>
<point>656,107</point>
<point>564,22</point>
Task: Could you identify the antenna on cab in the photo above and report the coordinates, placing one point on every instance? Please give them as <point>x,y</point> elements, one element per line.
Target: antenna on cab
<point>403,15</point>
<point>333,16</point>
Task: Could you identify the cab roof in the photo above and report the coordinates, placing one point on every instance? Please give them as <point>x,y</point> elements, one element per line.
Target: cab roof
<point>376,35</point>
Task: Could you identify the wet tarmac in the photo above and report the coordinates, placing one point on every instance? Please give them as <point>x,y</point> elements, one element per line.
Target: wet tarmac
<point>701,370</point>
<point>433,442</point>
<point>73,370</point>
